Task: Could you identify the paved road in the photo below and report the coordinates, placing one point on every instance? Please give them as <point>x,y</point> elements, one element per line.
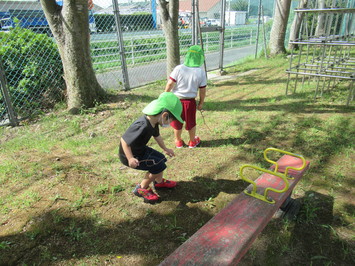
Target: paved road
<point>154,71</point>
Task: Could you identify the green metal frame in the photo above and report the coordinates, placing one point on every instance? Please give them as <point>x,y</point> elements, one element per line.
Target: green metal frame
<point>283,176</point>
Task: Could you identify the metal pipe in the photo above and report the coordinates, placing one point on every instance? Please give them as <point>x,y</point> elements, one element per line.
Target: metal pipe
<point>221,36</point>
<point>351,92</point>
<point>201,37</point>
<point>116,13</point>
<point>320,75</point>
<point>324,43</point>
<point>326,70</point>
<point>331,56</point>
<point>257,34</point>
<point>298,63</point>
<point>264,34</point>
<point>288,78</point>
<point>327,10</point>
<point>193,16</point>
<point>4,91</point>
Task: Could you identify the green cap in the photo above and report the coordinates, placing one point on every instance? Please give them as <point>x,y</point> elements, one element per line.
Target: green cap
<point>166,100</point>
<point>194,57</point>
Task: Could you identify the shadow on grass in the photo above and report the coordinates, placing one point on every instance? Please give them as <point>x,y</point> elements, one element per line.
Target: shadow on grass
<point>350,208</point>
<point>327,139</point>
<point>302,106</point>
<point>312,239</point>
<point>64,234</point>
<point>316,224</point>
<point>59,235</point>
<point>201,189</point>
<point>255,80</point>
<point>123,100</point>
<point>302,102</point>
<point>310,136</point>
<point>132,97</point>
<point>222,142</point>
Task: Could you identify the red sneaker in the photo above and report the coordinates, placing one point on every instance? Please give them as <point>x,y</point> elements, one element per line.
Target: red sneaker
<point>147,194</point>
<point>195,143</point>
<point>165,184</point>
<point>179,144</point>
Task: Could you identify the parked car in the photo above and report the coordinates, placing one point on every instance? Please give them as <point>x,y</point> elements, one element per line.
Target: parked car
<point>213,22</point>
<point>203,21</point>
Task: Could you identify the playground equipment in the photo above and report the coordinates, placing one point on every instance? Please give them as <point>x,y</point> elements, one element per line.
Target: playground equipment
<point>325,47</point>
<point>227,237</point>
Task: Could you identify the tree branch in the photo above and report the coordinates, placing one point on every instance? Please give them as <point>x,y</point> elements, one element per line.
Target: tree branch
<point>51,6</point>
<point>164,5</point>
<point>174,9</point>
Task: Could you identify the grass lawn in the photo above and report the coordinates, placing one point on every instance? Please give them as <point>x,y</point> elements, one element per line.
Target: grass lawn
<point>66,199</point>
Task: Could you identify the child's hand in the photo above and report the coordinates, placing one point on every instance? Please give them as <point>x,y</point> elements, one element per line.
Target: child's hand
<point>133,162</point>
<point>169,152</point>
<point>199,106</point>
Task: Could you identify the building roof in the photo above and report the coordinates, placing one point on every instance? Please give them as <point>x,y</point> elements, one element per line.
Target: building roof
<point>204,5</point>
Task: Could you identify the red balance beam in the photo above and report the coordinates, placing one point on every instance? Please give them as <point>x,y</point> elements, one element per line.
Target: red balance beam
<point>227,236</point>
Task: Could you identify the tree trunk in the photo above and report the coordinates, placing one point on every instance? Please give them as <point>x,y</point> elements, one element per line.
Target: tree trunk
<point>278,30</point>
<point>296,25</point>
<point>70,27</point>
<point>169,14</point>
<point>320,29</point>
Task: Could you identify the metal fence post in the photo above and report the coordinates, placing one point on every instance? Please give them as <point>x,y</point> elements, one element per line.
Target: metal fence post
<point>116,13</point>
<point>257,34</point>
<point>4,90</point>
<point>132,51</point>
<point>221,47</point>
<point>206,42</point>
<point>194,22</point>
<point>264,34</point>
<point>231,39</point>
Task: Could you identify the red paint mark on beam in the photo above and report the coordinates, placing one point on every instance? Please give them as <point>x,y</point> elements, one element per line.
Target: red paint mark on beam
<point>227,237</point>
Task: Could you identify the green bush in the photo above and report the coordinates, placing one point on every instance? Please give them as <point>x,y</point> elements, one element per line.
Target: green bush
<point>33,70</point>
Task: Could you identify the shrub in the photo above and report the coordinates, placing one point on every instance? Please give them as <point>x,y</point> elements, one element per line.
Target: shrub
<point>33,70</point>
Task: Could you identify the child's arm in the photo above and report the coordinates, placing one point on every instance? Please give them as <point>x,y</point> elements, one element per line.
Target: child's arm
<point>132,162</point>
<point>161,144</point>
<point>202,93</point>
<point>169,85</point>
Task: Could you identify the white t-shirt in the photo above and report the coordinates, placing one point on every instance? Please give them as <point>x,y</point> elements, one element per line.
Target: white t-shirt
<point>188,81</point>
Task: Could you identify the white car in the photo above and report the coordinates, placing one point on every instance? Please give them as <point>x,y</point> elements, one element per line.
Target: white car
<point>213,22</point>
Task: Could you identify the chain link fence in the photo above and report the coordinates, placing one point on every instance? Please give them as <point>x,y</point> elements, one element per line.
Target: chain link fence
<point>31,69</point>
<point>124,57</point>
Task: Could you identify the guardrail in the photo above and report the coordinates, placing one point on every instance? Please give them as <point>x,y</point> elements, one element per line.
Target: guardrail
<point>145,47</point>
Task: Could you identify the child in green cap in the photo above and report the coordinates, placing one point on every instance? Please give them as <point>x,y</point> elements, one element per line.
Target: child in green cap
<point>135,153</point>
<point>190,80</point>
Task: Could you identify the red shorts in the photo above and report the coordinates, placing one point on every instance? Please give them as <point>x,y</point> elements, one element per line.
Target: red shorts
<point>188,115</point>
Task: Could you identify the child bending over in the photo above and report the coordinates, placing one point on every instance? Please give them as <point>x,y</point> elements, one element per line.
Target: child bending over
<point>135,153</point>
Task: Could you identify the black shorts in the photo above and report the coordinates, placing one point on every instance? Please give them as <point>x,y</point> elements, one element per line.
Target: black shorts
<point>152,161</point>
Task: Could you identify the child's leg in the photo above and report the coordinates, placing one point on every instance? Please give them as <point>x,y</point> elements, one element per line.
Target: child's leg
<point>177,134</point>
<point>192,133</point>
<point>149,178</point>
<point>190,119</point>
<point>177,126</point>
